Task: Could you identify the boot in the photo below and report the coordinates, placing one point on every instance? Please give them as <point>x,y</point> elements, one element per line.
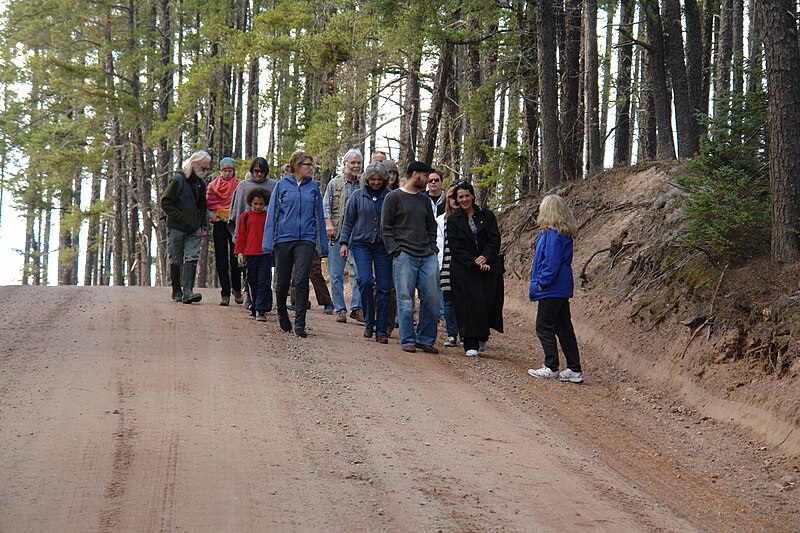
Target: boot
<point>189,272</point>
<point>175,280</point>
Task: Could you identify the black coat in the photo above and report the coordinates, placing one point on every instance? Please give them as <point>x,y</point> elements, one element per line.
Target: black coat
<point>478,295</point>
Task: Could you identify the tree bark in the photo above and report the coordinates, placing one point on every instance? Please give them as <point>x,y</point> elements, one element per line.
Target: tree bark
<point>440,84</point>
<point>593,146</point>
<point>779,31</point>
<point>548,102</point>
<point>685,121</point>
<point>622,131</point>
<point>570,125</point>
<point>661,98</point>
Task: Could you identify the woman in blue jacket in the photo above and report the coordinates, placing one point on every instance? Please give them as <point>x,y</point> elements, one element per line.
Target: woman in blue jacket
<point>361,232</point>
<point>552,285</point>
<point>294,230</point>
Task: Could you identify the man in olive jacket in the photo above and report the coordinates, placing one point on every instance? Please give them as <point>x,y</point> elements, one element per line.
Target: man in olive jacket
<point>184,203</point>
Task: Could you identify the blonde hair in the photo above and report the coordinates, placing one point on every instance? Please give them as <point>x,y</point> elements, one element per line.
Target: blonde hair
<point>448,209</point>
<point>298,157</point>
<point>554,213</point>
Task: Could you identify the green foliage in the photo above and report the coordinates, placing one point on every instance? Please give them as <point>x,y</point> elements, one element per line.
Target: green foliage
<point>728,203</point>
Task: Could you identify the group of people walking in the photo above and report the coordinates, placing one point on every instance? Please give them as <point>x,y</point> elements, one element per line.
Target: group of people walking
<point>418,253</point>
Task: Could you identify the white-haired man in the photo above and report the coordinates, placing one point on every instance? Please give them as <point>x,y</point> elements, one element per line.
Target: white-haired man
<point>184,203</point>
<point>333,203</point>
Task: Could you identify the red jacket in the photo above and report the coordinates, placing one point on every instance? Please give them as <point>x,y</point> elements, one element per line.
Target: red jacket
<point>250,233</point>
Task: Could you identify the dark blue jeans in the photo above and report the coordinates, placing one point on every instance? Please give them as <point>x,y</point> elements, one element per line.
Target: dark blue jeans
<point>373,265</point>
<point>259,281</point>
<point>293,265</point>
<point>450,322</point>
<point>553,320</point>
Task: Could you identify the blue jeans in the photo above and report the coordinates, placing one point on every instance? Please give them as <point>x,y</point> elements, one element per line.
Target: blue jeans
<point>450,321</point>
<point>422,274</point>
<point>367,256</point>
<point>259,281</point>
<point>336,272</point>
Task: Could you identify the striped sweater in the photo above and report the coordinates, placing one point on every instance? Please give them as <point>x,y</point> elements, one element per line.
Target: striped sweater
<point>444,254</point>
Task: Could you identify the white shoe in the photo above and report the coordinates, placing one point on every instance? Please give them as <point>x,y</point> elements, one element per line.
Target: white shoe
<point>472,353</point>
<point>450,342</point>
<point>481,346</point>
<point>569,375</point>
<point>542,373</point>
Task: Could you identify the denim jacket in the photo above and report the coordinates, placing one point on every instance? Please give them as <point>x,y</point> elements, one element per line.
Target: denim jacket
<point>362,217</point>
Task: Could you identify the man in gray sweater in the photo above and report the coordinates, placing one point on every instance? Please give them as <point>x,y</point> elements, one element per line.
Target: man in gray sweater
<point>409,233</point>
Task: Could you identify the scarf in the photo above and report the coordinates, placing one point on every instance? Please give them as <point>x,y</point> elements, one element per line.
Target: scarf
<point>219,195</point>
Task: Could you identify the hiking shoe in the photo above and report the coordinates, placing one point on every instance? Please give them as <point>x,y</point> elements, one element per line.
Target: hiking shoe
<point>357,315</point>
<point>252,316</point>
<point>237,297</point>
<point>261,317</point>
<point>427,348</point>
<point>481,346</point>
<point>542,373</point>
<point>471,353</point>
<point>301,333</point>
<point>328,309</point>
<point>285,323</point>
<point>572,377</point>
<point>225,301</point>
<point>381,339</point>
<point>450,342</point>
<point>367,333</point>
<point>341,317</point>
<point>410,348</point>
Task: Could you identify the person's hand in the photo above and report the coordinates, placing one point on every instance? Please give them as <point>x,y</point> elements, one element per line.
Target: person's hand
<point>484,267</point>
<point>214,217</point>
<point>343,251</point>
<point>329,229</point>
<point>480,260</point>
<point>241,260</point>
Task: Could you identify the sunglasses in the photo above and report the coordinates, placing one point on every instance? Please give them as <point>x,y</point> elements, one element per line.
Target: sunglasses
<point>256,171</point>
<point>435,180</point>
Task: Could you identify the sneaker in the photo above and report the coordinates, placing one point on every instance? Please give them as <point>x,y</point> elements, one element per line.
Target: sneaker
<point>328,309</point>
<point>252,315</point>
<point>225,301</point>
<point>341,317</point>
<point>237,297</point>
<point>382,340</point>
<point>261,317</point>
<point>569,375</point>
<point>357,315</point>
<point>481,346</point>
<point>450,342</point>
<point>542,373</point>
<point>471,353</point>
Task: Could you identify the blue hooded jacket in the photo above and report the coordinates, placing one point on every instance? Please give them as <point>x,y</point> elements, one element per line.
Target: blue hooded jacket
<point>552,267</point>
<point>295,214</point>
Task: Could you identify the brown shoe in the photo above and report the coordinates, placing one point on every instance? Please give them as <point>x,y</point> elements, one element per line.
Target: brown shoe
<point>341,317</point>
<point>410,348</point>
<point>427,348</point>
<point>357,315</point>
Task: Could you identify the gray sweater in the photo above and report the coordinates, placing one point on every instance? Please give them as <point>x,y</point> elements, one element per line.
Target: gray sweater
<point>407,224</point>
<point>239,201</point>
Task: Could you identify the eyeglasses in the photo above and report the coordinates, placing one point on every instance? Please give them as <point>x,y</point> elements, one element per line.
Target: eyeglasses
<point>434,180</point>
<point>307,164</point>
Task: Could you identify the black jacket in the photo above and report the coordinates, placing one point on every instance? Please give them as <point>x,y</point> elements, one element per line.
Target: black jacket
<point>478,295</point>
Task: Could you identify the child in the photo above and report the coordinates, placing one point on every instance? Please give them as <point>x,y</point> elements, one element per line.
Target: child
<point>552,285</point>
<point>249,236</point>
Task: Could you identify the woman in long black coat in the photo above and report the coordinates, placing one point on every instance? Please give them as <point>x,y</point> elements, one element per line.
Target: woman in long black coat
<point>476,269</point>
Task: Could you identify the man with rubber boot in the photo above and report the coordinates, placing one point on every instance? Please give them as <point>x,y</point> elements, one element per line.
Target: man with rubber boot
<point>184,203</point>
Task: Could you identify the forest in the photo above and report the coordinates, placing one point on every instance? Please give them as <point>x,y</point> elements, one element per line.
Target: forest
<point>105,100</point>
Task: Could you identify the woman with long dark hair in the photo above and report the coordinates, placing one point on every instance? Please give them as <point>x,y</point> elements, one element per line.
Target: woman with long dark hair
<point>476,269</point>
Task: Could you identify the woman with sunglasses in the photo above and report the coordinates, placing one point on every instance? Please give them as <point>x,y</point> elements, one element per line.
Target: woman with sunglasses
<point>476,269</point>
<point>256,178</point>
<point>294,230</point>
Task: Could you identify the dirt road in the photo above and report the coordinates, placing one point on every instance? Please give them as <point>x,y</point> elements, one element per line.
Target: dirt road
<point>122,411</point>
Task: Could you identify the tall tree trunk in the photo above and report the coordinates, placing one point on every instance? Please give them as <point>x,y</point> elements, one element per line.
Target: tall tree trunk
<point>92,234</point>
<point>710,12</point>
<point>408,134</point>
<point>724,55</point>
<point>251,128</point>
<point>548,101</point>
<point>591,88</point>
<point>571,131</point>
<point>440,83</point>
<point>622,154</point>
<point>661,96</point>
<point>605,93</point>
<point>530,98</point>
<point>694,64</point>
<point>685,121</point>
<point>779,31</point>
<point>648,145</point>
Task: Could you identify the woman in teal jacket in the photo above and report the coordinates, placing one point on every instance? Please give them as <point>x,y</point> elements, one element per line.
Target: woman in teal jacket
<point>552,286</point>
<point>294,230</point>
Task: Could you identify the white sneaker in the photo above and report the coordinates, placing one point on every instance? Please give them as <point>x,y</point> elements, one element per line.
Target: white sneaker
<point>472,353</point>
<point>450,342</point>
<point>481,346</point>
<point>542,373</point>
<point>569,375</point>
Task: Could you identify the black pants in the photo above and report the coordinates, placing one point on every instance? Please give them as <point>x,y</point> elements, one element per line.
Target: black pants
<point>553,320</point>
<point>293,267</point>
<point>472,343</point>
<point>227,266</point>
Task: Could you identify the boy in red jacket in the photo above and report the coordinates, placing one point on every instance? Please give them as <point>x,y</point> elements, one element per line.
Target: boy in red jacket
<point>249,236</point>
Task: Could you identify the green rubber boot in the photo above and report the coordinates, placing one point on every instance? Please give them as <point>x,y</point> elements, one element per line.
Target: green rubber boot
<point>175,280</point>
<point>189,272</point>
